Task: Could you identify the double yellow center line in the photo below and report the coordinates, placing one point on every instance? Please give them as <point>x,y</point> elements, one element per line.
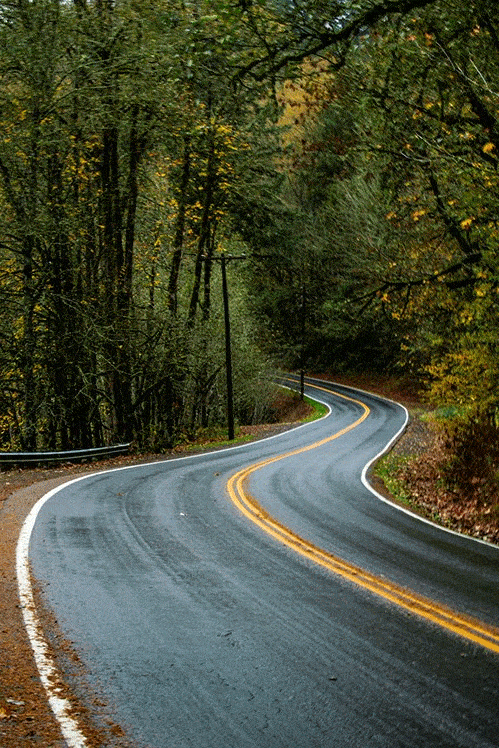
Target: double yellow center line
<point>467,627</point>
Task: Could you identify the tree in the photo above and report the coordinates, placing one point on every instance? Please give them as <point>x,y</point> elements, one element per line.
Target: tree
<point>70,182</point>
<point>100,101</point>
<point>281,36</point>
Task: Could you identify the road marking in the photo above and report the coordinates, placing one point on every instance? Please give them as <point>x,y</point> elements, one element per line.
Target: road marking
<point>465,626</point>
<point>49,675</point>
<point>47,668</point>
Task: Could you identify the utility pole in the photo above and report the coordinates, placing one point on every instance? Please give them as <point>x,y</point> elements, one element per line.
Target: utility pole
<point>224,259</point>
<point>302,347</point>
<point>228,353</point>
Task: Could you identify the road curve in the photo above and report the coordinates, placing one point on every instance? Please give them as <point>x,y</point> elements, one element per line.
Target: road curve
<point>197,626</point>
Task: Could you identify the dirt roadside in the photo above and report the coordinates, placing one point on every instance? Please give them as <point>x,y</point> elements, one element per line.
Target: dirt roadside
<point>25,716</point>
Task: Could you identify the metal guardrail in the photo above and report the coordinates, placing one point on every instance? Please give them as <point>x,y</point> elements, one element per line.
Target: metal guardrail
<point>9,459</point>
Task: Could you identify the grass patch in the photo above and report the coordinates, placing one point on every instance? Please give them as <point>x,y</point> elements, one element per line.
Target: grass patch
<point>447,413</point>
<point>319,410</point>
<point>387,469</point>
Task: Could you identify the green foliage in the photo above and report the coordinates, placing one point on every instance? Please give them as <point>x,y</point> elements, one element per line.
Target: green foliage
<point>120,136</point>
<point>388,469</point>
<point>428,85</point>
<point>352,162</point>
<point>319,410</point>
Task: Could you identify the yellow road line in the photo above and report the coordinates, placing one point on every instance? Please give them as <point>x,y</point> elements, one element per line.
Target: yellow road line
<point>467,627</point>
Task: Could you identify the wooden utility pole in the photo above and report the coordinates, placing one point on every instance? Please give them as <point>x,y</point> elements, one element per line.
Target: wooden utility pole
<point>302,349</point>
<point>228,353</point>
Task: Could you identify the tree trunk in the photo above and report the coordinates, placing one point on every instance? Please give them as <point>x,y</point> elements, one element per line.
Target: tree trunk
<point>178,241</point>
<point>205,230</point>
<point>28,434</point>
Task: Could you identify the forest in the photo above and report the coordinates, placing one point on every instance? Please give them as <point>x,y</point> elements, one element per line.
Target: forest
<point>337,158</point>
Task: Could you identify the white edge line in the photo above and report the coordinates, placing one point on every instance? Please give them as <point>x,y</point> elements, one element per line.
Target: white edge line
<point>386,449</point>
<point>49,675</point>
<point>427,521</point>
<point>47,669</point>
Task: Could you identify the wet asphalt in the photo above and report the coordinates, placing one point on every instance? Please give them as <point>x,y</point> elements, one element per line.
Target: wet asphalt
<point>195,628</point>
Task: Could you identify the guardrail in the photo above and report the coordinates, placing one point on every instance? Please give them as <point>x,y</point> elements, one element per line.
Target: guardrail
<point>10,459</point>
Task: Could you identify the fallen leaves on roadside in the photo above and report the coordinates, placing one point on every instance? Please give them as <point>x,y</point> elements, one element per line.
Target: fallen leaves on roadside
<point>470,514</point>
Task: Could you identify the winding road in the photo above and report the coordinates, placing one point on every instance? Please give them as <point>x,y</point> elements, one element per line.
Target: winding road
<point>265,597</point>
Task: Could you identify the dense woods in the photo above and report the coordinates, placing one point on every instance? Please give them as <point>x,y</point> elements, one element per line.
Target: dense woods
<point>342,157</point>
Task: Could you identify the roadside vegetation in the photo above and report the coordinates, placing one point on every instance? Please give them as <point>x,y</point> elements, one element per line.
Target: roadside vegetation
<point>285,410</point>
<point>423,473</point>
<point>332,166</point>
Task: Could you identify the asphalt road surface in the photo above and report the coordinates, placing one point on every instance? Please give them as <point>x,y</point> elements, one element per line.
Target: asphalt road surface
<point>200,625</point>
